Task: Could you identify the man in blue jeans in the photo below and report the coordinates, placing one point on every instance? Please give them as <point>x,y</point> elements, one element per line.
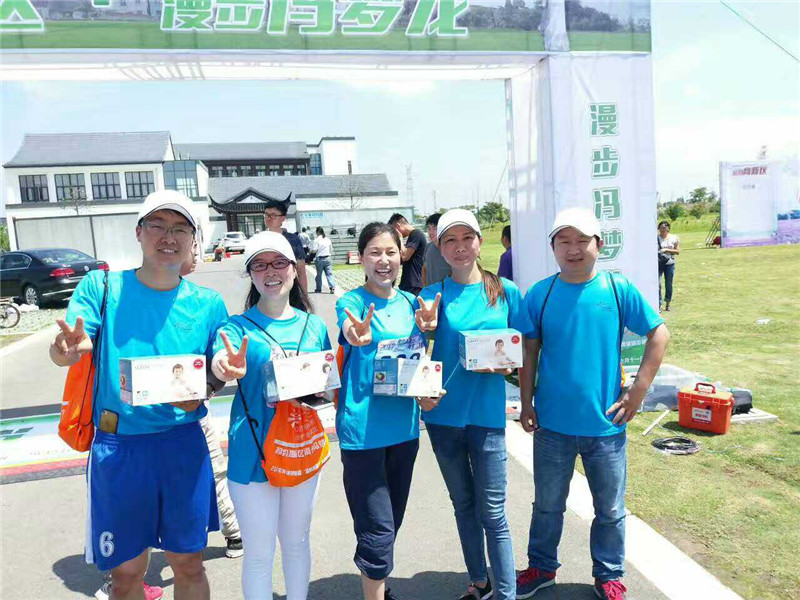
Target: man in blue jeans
<point>578,318</point>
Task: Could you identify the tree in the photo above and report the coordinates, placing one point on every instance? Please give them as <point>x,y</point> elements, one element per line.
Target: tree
<point>701,194</point>
<point>698,209</point>
<point>493,212</point>
<point>4,242</point>
<point>674,211</point>
<point>351,193</point>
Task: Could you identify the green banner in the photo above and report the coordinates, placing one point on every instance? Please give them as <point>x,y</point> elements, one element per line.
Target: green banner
<point>383,25</point>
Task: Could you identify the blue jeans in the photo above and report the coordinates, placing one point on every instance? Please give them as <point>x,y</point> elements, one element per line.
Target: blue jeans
<point>324,264</point>
<point>473,464</point>
<point>669,274</point>
<point>605,464</point>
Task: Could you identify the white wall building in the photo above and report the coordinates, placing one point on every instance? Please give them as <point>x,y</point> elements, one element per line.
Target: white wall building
<point>83,190</point>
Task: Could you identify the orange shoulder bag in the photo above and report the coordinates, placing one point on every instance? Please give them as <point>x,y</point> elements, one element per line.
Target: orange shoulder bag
<point>76,426</point>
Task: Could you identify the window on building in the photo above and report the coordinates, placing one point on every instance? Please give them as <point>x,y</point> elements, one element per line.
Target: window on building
<point>287,169</point>
<point>274,170</point>
<point>139,183</point>
<point>181,175</point>
<point>105,186</point>
<point>231,171</point>
<point>261,170</point>
<point>316,164</point>
<point>246,170</point>
<point>33,188</point>
<point>216,172</point>
<point>70,186</point>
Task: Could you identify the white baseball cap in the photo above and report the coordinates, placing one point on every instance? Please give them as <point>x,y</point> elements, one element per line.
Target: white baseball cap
<point>267,241</point>
<point>581,219</point>
<point>457,216</point>
<point>168,200</point>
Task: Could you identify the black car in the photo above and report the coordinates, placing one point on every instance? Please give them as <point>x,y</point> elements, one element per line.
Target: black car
<point>44,274</point>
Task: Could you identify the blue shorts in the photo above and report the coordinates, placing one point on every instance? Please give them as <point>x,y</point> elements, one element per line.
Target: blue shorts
<point>149,491</point>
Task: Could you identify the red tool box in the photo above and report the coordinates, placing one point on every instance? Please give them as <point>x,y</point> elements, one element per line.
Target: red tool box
<point>704,408</point>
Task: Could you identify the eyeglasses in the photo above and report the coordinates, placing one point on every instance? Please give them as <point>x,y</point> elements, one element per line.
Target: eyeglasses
<point>270,216</point>
<point>179,232</point>
<point>278,264</point>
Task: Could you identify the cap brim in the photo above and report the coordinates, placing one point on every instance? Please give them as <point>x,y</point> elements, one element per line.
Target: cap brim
<point>175,208</point>
<point>560,227</point>
<point>440,233</point>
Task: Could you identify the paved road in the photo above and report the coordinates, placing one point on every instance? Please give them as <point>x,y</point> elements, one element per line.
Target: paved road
<point>43,520</point>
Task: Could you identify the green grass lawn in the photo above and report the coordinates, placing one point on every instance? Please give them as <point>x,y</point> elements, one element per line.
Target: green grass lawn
<point>735,506</point>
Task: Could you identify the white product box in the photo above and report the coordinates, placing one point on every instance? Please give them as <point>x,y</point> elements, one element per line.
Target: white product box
<point>490,349</point>
<point>411,347</point>
<point>406,377</point>
<point>301,375</point>
<point>162,379</point>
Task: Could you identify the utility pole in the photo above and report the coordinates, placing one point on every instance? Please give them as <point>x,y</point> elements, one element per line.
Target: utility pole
<point>410,184</point>
<point>435,208</point>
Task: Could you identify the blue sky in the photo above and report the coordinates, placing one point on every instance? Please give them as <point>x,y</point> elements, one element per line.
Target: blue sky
<point>721,92</point>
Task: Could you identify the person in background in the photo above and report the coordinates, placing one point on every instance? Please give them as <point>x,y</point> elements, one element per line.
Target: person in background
<point>228,523</point>
<point>578,317</point>
<point>323,261</point>
<point>305,239</point>
<point>274,217</point>
<point>412,254</point>
<point>506,269</point>
<point>669,246</point>
<point>435,267</point>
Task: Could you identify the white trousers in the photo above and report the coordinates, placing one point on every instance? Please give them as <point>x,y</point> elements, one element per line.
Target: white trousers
<point>264,512</point>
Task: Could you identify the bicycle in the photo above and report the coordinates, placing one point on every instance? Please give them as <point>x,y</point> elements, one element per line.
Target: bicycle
<point>9,314</point>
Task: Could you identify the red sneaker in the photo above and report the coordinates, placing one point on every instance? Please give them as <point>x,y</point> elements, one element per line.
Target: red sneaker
<point>609,590</point>
<point>531,580</point>
<point>152,592</point>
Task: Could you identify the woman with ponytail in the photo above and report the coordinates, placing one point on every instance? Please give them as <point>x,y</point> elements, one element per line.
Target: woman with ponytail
<point>276,323</point>
<point>466,425</point>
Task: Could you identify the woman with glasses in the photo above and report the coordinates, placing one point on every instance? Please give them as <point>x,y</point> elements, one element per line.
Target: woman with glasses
<point>276,323</point>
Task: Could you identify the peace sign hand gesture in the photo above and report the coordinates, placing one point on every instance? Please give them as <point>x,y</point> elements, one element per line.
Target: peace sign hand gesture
<point>427,316</point>
<point>356,332</point>
<point>234,366</point>
<point>70,344</point>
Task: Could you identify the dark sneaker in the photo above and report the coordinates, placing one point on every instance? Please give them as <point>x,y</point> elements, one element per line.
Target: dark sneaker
<point>609,590</point>
<point>235,548</point>
<point>531,580</point>
<point>478,593</point>
<point>388,595</point>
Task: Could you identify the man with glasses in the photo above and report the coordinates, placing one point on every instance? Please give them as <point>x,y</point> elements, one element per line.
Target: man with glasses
<point>274,216</point>
<point>150,479</point>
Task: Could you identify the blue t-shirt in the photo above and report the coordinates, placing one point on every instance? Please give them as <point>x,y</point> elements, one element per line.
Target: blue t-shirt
<point>472,398</point>
<point>579,364</point>
<point>365,421</point>
<point>141,321</point>
<point>244,459</point>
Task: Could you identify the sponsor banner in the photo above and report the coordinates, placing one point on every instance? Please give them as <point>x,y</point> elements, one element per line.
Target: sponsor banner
<point>596,151</point>
<point>382,25</point>
<point>759,203</point>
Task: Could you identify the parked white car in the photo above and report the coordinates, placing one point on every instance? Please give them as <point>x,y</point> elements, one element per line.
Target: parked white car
<point>234,241</point>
